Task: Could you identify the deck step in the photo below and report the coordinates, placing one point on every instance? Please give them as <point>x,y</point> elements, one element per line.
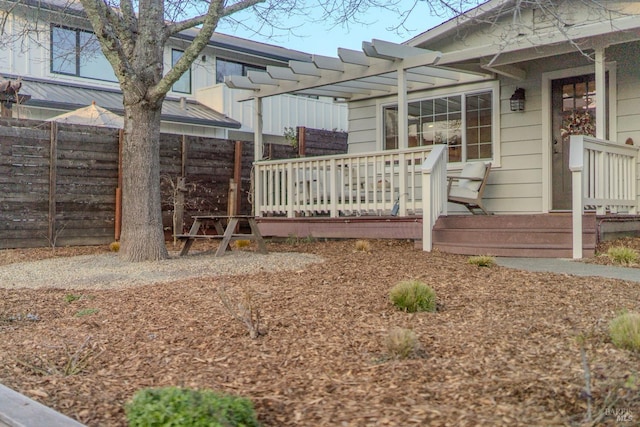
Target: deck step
<point>538,236</point>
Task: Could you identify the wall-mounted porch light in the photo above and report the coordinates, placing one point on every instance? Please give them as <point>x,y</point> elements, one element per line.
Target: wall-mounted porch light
<point>517,100</point>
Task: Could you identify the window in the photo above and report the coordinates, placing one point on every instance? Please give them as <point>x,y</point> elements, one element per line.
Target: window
<point>183,85</point>
<point>228,68</point>
<point>463,122</point>
<point>77,53</point>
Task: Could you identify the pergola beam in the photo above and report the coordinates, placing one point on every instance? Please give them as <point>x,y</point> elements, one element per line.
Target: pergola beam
<point>355,74</point>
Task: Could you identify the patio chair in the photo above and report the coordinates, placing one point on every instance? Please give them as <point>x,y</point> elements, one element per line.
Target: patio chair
<point>467,188</point>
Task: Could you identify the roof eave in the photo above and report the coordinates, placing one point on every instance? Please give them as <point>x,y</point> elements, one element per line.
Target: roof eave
<point>454,24</point>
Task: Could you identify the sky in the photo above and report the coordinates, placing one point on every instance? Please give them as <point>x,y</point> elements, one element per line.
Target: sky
<point>317,37</point>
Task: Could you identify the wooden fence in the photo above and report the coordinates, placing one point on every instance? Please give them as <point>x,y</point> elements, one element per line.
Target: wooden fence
<point>58,182</point>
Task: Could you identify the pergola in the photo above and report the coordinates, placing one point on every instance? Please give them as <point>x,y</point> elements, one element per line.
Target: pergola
<point>381,69</point>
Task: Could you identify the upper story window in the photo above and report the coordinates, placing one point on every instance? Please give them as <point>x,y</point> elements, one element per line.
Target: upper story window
<point>229,68</point>
<point>77,53</point>
<point>463,122</point>
<point>183,85</point>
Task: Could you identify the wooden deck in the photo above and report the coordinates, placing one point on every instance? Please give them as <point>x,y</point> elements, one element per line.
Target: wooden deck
<point>348,227</point>
<point>540,235</point>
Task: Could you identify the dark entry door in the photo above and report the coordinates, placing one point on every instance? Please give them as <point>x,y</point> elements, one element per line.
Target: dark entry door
<point>573,113</point>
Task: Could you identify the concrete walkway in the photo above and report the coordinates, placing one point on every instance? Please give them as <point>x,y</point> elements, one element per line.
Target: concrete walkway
<point>17,410</point>
<point>569,266</point>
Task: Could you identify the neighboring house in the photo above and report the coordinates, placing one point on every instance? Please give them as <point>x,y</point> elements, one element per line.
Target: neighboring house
<point>489,88</point>
<point>62,69</point>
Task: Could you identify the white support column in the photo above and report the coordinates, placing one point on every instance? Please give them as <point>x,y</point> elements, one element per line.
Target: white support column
<point>403,117</point>
<point>576,166</point>
<point>601,94</point>
<point>257,154</point>
<point>577,213</point>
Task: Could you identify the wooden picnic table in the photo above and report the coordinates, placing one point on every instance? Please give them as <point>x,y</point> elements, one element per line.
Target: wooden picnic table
<point>225,227</point>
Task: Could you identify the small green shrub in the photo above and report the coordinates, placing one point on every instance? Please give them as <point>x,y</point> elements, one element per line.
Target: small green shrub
<point>624,331</point>
<point>172,406</point>
<point>623,255</point>
<point>86,312</point>
<point>114,246</point>
<point>401,343</point>
<point>412,296</point>
<point>482,261</point>
<point>71,298</point>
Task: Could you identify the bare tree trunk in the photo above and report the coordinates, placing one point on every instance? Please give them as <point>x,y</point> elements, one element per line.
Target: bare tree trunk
<point>142,232</point>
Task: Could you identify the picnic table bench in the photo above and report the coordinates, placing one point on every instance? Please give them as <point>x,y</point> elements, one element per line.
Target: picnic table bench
<point>225,227</point>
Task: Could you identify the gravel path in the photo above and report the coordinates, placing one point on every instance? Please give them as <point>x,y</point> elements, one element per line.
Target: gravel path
<point>107,271</point>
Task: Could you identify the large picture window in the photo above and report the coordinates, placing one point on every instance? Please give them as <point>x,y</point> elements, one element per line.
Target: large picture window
<point>463,122</point>
<point>229,68</point>
<point>77,53</point>
<point>183,85</point>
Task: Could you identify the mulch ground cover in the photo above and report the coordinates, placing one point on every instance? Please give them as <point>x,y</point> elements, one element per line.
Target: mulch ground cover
<point>502,349</point>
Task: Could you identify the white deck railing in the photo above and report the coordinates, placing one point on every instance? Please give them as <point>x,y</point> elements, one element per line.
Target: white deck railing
<point>380,183</point>
<point>434,191</point>
<point>604,178</point>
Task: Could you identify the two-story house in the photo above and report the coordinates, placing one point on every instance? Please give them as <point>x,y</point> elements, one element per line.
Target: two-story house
<point>55,54</point>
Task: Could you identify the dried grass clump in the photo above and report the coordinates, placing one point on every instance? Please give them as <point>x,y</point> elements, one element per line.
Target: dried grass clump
<point>401,343</point>
<point>239,244</point>
<point>623,255</point>
<point>243,308</point>
<point>482,261</point>
<point>413,296</point>
<point>363,246</point>
<point>66,360</point>
<point>624,331</point>
<point>114,246</point>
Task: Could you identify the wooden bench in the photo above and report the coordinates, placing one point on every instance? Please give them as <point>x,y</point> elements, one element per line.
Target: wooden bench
<point>225,227</point>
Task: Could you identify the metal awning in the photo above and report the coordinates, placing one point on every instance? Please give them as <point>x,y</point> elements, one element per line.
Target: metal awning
<point>67,97</point>
<point>381,68</point>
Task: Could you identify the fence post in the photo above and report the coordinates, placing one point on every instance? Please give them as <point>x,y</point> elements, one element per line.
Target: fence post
<point>302,143</point>
<point>118,218</point>
<point>237,175</point>
<point>53,164</point>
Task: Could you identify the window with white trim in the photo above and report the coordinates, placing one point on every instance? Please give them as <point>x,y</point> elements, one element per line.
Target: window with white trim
<point>183,85</point>
<point>463,122</point>
<point>230,68</point>
<point>77,52</point>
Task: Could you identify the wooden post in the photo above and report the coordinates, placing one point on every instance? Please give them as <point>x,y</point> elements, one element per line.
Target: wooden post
<point>118,216</point>
<point>178,206</point>
<point>232,197</point>
<point>237,176</point>
<point>53,164</point>
<point>185,156</point>
<point>302,148</point>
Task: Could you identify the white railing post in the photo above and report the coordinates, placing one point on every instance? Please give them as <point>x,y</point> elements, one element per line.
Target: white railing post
<point>576,166</point>
<point>333,190</point>
<point>434,192</point>
<point>257,190</point>
<point>289,196</point>
<point>402,185</point>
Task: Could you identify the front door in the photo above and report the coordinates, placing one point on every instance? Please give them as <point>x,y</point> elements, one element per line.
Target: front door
<point>573,113</point>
